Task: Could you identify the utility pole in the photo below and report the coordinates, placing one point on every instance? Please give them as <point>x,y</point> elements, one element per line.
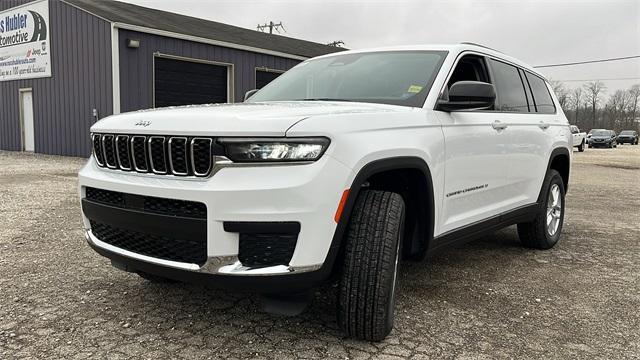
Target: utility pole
<point>337,43</point>
<point>271,25</point>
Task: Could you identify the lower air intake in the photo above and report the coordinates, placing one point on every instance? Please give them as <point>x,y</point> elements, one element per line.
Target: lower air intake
<point>259,250</point>
<point>160,247</point>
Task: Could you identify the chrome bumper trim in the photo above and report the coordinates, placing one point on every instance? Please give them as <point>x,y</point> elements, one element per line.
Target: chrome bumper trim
<point>220,265</point>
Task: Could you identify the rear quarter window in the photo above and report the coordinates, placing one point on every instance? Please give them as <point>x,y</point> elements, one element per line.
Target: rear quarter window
<point>511,94</point>
<point>541,97</point>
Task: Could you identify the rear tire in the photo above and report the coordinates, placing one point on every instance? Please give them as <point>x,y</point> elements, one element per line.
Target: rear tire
<point>581,146</point>
<point>366,295</point>
<point>544,231</point>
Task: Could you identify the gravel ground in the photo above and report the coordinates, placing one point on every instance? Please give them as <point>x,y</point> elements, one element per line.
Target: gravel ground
<point>487,299</point>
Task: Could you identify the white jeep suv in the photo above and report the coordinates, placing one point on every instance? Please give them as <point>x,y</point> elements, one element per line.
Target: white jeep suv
<point>335,171</point>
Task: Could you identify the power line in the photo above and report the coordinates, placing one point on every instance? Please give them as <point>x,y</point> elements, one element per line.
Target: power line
<point>589,61</point>
<point>611,79</point>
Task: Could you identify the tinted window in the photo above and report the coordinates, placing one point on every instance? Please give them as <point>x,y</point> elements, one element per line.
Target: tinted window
<point>541,96</point>
<point>511,93</point>
<point>469,68</point>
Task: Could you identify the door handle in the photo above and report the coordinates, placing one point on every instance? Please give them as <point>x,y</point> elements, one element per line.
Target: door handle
<point>498,125</point>
<point>543,125</point>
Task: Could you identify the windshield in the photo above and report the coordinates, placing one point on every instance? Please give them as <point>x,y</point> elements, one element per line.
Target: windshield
<point>601,133</point>
<point>626,132</point>
<point>393,77</point>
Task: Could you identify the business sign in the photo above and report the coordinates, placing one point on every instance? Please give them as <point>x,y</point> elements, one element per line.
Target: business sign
<point>24,42</point>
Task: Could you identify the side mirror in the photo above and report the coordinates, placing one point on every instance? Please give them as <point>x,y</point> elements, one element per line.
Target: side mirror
<point>468,95</point>
<point>249,94</point>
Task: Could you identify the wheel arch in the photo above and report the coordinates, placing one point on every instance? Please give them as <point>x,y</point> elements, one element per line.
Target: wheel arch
<point>560,160</point>
<point>374,175</point>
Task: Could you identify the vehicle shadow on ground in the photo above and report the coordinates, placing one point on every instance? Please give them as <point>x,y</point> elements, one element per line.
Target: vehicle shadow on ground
<point>199,310</point>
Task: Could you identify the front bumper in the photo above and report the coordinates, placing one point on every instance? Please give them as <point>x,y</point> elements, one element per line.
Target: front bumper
<point>306,194</point>
<point>294,282</point>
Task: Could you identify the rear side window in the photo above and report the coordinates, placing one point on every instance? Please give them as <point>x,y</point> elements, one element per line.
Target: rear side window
<point>511,95</point>
<point>541,96</point>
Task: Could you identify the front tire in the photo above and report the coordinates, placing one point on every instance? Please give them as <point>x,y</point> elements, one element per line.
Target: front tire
<point>366,295</point>
<point>581,146</point>
<point>544,231</point>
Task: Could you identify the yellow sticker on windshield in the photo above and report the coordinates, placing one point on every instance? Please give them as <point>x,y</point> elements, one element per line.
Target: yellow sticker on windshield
<point>414,89</point>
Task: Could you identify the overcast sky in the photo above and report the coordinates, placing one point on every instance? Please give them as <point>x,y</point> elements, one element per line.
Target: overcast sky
<point>537,32</point>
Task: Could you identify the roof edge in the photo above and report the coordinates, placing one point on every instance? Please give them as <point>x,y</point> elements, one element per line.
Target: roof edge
<point>193,38</point>
<point>86,11</point>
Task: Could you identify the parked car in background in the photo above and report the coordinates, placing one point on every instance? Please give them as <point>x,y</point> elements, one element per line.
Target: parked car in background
<point>591,133</point>
<point>628,136</point>
<point>578,138</point>
<point>603,138</point>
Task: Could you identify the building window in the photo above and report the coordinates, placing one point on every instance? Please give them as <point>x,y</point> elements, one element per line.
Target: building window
<point>265,76</point>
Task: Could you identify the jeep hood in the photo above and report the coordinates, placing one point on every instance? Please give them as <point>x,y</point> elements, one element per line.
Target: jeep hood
<point>250,119</point>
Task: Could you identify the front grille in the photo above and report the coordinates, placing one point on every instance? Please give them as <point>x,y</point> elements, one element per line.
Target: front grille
<point>97,149</point>
<point>105,196</point>
<point>150,204</point>
<point>160,247</point>
<point>123,152</point>
<point>178,159</point>
<point>109,151</point>
<point>260,249</point>
<point>175,207</point>
<point>188,249</point>
<point>157,155</point>
<point>172,155</point>
<point>200,147</point>
<point>139,151</point>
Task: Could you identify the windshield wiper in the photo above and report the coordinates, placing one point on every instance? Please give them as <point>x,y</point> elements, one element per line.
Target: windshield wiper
<point>323,99</point>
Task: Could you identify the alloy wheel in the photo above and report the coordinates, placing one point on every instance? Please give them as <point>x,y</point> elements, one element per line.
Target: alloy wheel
<point>554,210</point>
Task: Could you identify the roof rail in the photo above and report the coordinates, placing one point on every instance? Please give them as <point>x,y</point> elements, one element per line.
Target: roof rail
<point>480,45</point>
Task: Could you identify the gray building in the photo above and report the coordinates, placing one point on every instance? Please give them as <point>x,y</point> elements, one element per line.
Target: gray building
<point>66,63</point>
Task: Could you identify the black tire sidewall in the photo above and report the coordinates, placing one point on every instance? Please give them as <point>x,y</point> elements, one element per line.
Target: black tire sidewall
<point>394,279</point>
<point>363,284</point>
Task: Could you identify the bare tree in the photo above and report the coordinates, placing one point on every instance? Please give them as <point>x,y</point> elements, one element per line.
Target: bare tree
<point>634,103</point>
<point>561,93</point>
<point>576,101</point>
<point>616,109</point>
<point>594,90</point>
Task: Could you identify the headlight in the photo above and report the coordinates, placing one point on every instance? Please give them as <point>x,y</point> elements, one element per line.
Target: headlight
<point>274,149</point>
